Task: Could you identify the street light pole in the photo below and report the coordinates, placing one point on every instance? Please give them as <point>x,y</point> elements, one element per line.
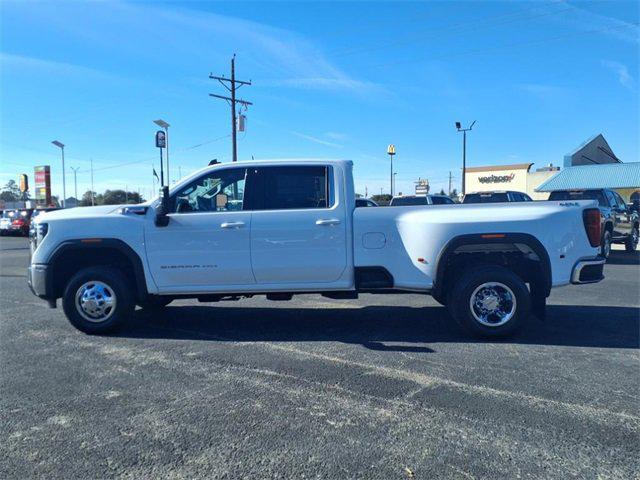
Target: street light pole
<point>64,185</point>
<point>464,151</point>
<point>391,150</point>
<point>75,182</point>
<point>394,181</point>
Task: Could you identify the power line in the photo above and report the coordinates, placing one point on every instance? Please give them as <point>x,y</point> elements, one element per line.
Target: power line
<point>512,45</point>
<point>233,86</point>
<point>455,29</point>
<point>147,159</point>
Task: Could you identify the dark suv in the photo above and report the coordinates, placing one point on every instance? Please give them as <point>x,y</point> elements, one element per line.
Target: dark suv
<point>619,221</point>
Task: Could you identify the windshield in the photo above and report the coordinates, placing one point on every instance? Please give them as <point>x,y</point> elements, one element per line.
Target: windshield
<point>485,198</point>
<point>402,201</point>
<point>580,195</point>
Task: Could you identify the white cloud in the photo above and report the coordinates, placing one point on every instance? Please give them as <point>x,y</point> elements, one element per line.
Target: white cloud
<point>317,140</point>
<point>621,71</point>
<point>21,62</point>
<point>336,136</point>
<point>606,25</point>
<point>542,91</point>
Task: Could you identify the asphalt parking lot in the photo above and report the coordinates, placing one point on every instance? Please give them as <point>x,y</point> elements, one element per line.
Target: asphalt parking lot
<point>384,387</point>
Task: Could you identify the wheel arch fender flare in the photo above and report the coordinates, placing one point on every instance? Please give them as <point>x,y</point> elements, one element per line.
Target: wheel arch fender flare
<point>487,239</point>
<point>97,244</point>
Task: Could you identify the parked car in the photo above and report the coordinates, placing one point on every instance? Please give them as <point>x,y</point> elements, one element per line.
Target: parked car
<point>619,221</point>
<point>297,231</point>
<point>15,222</point>
<point>497,196</point>
<point>365,202</point>
<point>5,221</point>
<point>412,200</point>
<point>19,222</point>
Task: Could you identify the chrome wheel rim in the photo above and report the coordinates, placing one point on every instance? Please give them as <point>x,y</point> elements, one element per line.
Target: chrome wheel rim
<point>493,304</point>
<point>95,301</point>
<point>607,246</point>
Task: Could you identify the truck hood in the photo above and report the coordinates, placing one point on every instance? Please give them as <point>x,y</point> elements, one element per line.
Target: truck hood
<point>78,212</point>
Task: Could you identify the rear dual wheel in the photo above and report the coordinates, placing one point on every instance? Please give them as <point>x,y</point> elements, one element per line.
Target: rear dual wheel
<point>490,301</point>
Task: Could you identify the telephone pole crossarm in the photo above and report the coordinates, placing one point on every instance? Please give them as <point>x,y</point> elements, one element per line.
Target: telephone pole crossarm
<point>224,79</point>
<point>237,100</point>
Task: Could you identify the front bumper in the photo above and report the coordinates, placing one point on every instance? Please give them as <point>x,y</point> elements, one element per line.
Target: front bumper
<point>38,278</point>
<point>588,270</point>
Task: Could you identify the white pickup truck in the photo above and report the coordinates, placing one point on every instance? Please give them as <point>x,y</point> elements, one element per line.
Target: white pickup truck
<point>279,228</point>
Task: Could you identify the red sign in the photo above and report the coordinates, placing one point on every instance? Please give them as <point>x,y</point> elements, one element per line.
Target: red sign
<point>42,176</point>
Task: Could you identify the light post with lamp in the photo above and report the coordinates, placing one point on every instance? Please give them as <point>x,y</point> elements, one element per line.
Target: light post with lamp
<point>64,185</point>
<point>464,150</point>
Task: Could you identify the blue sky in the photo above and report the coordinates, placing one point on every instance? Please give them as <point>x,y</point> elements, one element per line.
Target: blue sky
<point>330,80</point>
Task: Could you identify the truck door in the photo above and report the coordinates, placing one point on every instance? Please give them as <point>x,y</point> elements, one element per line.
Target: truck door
<point>623,216</point>
<point>298,226</point>
<point>206,244</point>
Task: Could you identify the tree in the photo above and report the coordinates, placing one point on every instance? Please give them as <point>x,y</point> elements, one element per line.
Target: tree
<point>117,197</point>
<point>85,201</point>
<point>11,192</point>
<point>442,191</point>
<point>383,199</point>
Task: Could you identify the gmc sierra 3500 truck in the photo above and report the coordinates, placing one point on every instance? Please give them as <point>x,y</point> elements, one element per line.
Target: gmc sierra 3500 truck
<point>279,228</point>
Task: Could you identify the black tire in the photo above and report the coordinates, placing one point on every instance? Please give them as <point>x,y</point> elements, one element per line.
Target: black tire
<point>631,243</point>
<point>605,248</point>
<point>109,280</point>
<point>155,302</point>
<point>472,281</point>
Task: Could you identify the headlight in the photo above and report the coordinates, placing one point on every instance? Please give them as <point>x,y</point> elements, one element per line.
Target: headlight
<point>36,233</point>
<point>41,230</point>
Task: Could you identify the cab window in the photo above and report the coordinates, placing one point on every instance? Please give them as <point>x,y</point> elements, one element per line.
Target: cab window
<point>218,191</point>
<point>293,188</point>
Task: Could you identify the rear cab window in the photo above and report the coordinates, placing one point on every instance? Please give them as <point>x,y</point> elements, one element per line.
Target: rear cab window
<point>580,195</point>
<point>407,201</point>
<point>292,187</point>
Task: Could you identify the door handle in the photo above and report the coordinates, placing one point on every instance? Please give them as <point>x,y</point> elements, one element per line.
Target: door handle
<point>328,221</point>
<point>232,225</point>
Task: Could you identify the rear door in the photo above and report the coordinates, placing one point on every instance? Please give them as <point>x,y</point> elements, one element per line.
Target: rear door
<point>298,230</point>
<point>623,216</point>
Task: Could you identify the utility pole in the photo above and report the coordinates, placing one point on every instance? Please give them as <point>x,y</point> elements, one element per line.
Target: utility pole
<point>449,183</point>
<point>464,150</point>
<point>92,182</point>
<point>232,87</point>
<point>75,182</point>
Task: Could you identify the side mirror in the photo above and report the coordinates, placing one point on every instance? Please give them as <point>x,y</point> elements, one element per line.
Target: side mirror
<point>162,219</point>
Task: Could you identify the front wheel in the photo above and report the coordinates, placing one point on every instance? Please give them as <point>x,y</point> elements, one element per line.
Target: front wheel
<point>490,301</point>
<point>98,300</point>
<point>631,243</point>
